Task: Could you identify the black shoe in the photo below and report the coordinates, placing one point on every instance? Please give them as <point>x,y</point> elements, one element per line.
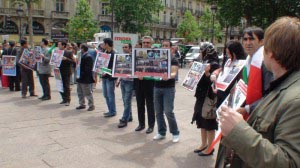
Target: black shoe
<point>46,98</point>
<point>67,104</point>
<point>199,150</point>
<point>140,128</point>
<point>149,130</point>
<point>122,124</point>
<point>80,107</point>
<point>107,115</point>
<point>91,108</point>
<point>41,97</point>
<point>208,154</point>
<point>130,120</point>
<point>63,102</point>
<point>33,95</point>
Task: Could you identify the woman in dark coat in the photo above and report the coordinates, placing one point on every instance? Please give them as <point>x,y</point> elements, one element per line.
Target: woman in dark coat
<point>204,89</point>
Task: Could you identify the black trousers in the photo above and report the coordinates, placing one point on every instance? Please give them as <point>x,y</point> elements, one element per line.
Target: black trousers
<point>66,95</point>
<point>44,81</point>
<point>27,81</point>
<point>144,94</point>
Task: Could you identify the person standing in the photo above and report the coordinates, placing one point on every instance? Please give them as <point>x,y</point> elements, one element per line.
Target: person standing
<point>85,80</point>
<point>270,137</point>
<point>65,71</point>
<point>164,95</point>
<point>26,74</point>
<point>144,93</point>
<point>108,82</point>
<point>44,70</point>
<point>14,81</point>
<point>127,90</point>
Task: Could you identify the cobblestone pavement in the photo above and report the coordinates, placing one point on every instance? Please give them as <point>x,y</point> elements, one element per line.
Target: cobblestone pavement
<point>43,134</point>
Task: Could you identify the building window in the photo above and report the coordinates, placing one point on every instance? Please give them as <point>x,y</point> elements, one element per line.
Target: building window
<point>190,6</point>
<point>60,4</point>
<point>104,10</point>
<point>164,18</point>
<point>178,4</point>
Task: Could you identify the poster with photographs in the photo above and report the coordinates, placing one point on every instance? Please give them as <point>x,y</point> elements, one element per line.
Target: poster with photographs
<point>57,76</point>
<point>37,53</point>
<point>151,62</point>
<point>193,76</point>
<point>101,63</point>
<point>122,65</point>
<point>9,65</point>
<point>27,59</point>
<point>237,96</point>
<point>78,61</point>
<point>56,58</point>
<point>229,73</point>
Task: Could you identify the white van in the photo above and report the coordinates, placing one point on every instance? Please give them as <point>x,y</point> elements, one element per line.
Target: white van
<point>193,54</point>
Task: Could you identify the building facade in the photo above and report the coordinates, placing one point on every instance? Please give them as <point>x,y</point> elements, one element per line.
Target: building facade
<point>51,16</point>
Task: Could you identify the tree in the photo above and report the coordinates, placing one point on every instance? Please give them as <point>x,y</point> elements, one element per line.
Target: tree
<point>29,4</point>
<point>188,28</point>
<point>134,16</point>
<point>81,26</point>
<point>207,25</point>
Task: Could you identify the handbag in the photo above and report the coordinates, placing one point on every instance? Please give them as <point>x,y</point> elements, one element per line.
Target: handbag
<point>209,107</point>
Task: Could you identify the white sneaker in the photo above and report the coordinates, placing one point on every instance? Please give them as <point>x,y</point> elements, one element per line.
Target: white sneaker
<point>175,138</point>
<point>158,137</point>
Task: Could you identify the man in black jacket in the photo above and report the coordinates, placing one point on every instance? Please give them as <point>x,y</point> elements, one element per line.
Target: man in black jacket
<point>14,81</point>
<point>86,80</point>
<point>65,70</point>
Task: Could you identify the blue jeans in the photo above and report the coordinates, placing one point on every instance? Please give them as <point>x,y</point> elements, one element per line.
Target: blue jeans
<point>108,87</point>
<point>164,104</point>
<point>127,88</point>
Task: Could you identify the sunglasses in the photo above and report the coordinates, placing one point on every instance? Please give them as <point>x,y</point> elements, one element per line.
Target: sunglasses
<point>125,47</point>
<point>249,38</point>
<point>146,42</point>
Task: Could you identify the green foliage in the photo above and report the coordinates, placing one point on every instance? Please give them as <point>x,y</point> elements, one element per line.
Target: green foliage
<point>81,26</point>
<point>133,16</point>
<point>188,28</point>
<point>207,24</point>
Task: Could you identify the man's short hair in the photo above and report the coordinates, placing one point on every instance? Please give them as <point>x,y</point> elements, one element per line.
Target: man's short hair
<point>12,43</point>
<point>259,32</point>
<point>84,47</point>
<point>148,37</point>
<point>108,41</point>
<point>63,43</point>
<point>45,41</point>
<point>283,40</point>
<point>23,42</point>
<point>129,45</point>
<point>168,41</point>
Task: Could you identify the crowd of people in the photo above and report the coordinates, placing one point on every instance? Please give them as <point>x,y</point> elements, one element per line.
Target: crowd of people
<point>264,132</point>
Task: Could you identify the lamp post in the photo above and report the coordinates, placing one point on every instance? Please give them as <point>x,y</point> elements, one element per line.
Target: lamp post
<point>213,9</point>
<point>20,13</point>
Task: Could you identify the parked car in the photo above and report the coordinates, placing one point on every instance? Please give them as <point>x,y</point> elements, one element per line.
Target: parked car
<point>192,54</point>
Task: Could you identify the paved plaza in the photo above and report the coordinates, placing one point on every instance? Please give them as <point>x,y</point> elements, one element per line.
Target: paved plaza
<point>43,134</point>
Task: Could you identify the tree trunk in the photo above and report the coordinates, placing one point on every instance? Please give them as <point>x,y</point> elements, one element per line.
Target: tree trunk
<point>30,30</point>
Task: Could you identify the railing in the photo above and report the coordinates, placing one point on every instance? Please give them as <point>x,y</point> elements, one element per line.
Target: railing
<point>38,13</point>
<point>60,15</point>
<point>105,18</point>
<point>13,12</point>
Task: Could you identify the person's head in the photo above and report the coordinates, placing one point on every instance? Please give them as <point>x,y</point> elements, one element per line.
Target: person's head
<point>6,45</point>
<point>24,43</point>
<point>147,41</point>
<point>166,44</point>
<point>1,46</point>
<point>62,45</point>
<point>282,43</point>
<point>12,44</point>
<point>84,48</point>
<point>44,42</point>
<point>235,50</point>
<point>253,38</point>
<point>207,51</point>
<point>127,47</point>
<point>108,43</point>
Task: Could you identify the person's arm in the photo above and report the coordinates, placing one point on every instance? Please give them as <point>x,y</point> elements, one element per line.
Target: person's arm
<point>256,151</point>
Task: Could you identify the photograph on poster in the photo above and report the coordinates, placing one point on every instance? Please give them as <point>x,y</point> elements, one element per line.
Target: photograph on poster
<point>56,58</point>
<point>27,59</point>
<point>37,51</point>
<point>9,65</point>
<point>193,76</point>
<point>122,65</point>
<point>101,63</point>
<point>151,62</point>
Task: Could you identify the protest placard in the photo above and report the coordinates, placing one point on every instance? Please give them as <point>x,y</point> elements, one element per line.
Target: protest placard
<point>151,62</point>
<point>122,65</point>
<point>193,76</point>
<point>56,58</point>
<point>37,53</point>
<point>101,63</point>
<point>78,62</point>
<point>9,65</point>
<point>229,73</point>
<point>27,59</point>
<point>58,79</point>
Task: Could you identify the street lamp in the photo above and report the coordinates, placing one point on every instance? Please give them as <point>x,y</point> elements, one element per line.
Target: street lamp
<point>20,13</point>
<point>213,9</point>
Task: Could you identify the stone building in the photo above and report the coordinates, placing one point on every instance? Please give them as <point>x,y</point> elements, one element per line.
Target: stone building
<point>51,16</point>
